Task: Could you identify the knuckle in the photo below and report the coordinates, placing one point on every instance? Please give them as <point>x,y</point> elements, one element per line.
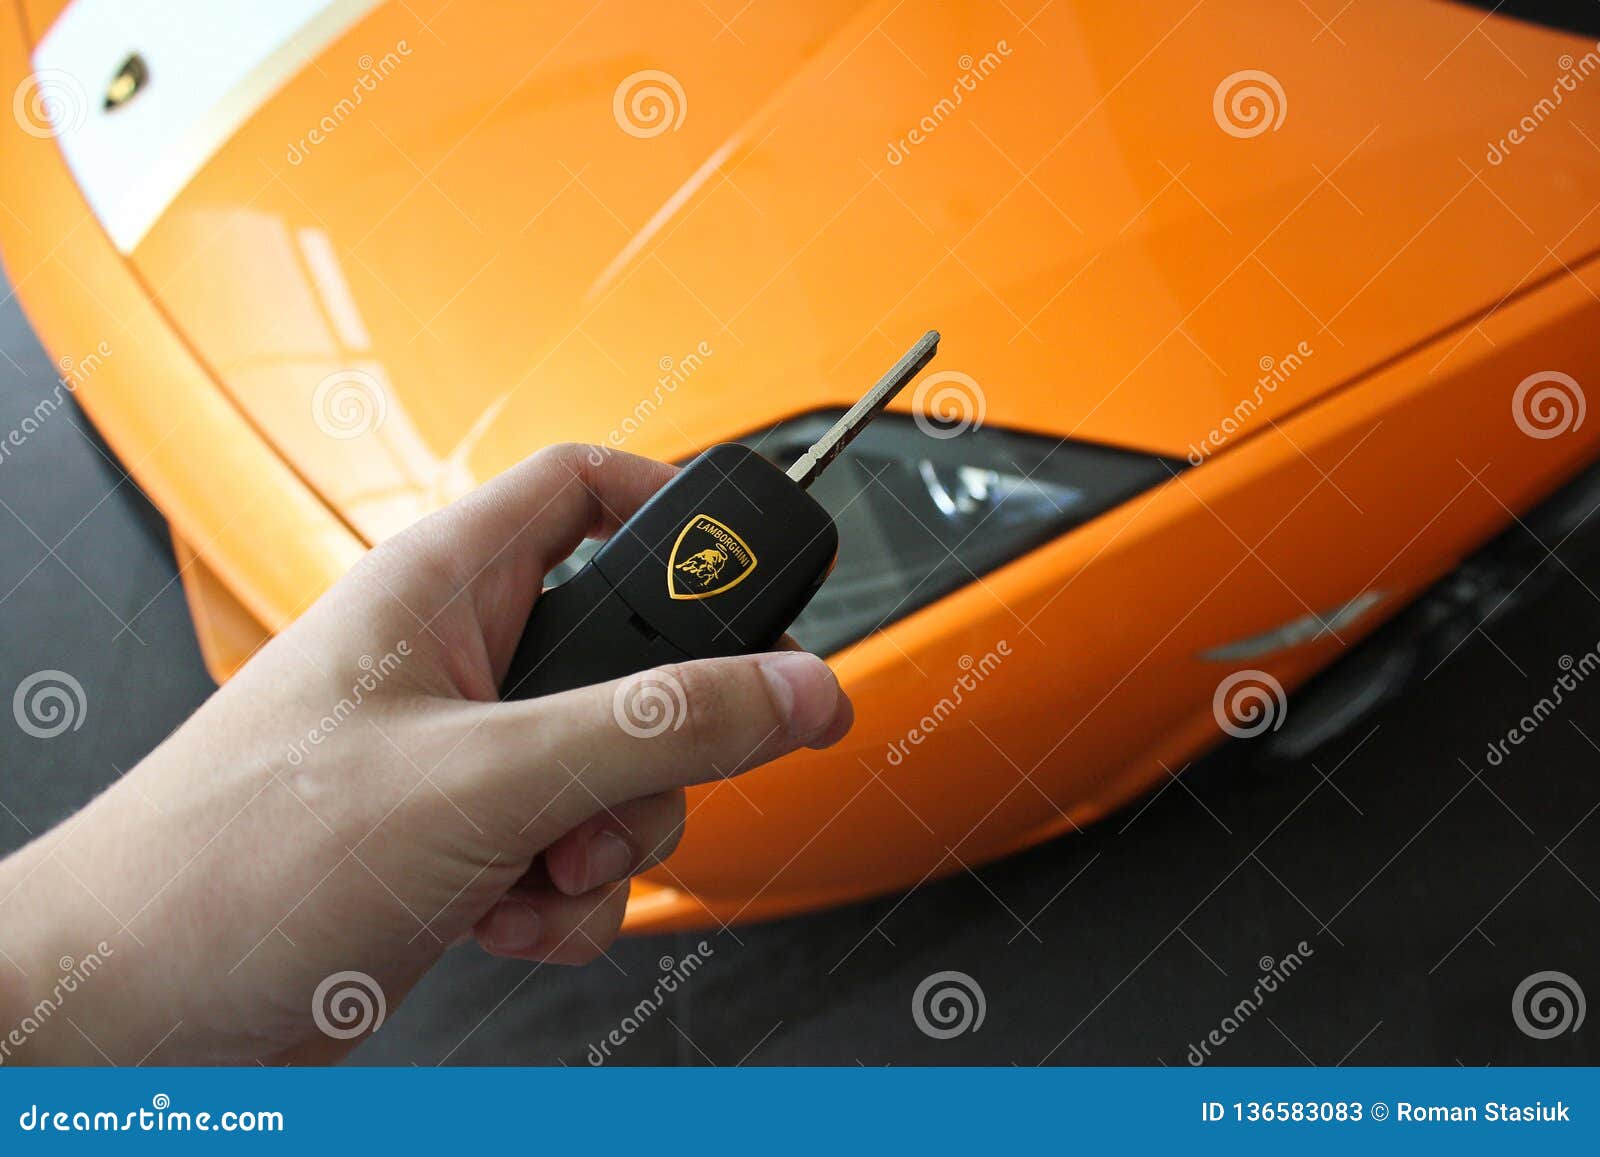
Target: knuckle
<point>597,932</point>
<point>599,940</point>
<point>706,704</point>
<point>672,810</point>
<point>606,925</point>
<point>574,458</point>
<point>580,950</point>
<point>562,453</point>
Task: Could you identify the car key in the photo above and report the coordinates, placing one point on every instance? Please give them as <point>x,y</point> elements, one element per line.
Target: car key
<point>719,562</point>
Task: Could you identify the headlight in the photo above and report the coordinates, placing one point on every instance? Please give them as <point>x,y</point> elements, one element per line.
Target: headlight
<point>920,515</point>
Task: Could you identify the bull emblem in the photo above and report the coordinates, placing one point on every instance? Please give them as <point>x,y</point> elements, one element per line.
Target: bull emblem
<point>704,565</point>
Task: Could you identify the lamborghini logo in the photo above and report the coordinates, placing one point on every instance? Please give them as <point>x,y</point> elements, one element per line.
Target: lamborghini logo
<point>130,79</point>
<point>707,560</point>
<point>705,566</point>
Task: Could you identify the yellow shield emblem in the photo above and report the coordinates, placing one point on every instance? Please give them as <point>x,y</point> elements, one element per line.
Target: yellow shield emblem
<point>707,560</point>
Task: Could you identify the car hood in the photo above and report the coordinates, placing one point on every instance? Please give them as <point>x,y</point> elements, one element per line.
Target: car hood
<point>422,251</point>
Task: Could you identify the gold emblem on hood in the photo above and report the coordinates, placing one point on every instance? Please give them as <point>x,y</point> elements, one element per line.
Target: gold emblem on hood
<point>130,78</point>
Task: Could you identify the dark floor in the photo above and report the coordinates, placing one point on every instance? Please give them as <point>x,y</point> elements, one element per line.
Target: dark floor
<point>1424,894</point>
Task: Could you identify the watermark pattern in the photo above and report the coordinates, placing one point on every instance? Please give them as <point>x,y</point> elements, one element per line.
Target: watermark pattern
<point>1273,974</point>
<point>49,703</point>
<point>973,673</point>
<point>948,404</point>
<point>73,973</point>
<point>160,1117</point>
<point>1274,372</point>
<point>674,372</point>
<point>1548,404</point>
<point>649,704</point>
<point>674,974</point>
<point>348,404</point>
<point>1248,703</point>
<point>1574,672</point>
<point>373,673</point>
<point>348,1004</point>
<point>1248,103</point>
<point>374,71</point>
<point>1573,73</point>
<point>973,72</point>
<point>74,372</point>
<point>49,103</point>
<point>1548,1004</point>
<point>648,103</point>
<point>947,1004</point>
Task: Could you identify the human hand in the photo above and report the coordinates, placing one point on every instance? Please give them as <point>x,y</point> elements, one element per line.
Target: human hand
<point>356,799</point>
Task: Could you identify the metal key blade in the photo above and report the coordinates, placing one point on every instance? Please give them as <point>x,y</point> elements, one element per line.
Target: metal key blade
<point>826,448</point>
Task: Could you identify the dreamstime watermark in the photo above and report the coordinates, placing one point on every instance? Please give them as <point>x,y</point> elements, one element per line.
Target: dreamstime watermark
<point>973,72</point>
<point>374,71</point>
<point>649,704</point>
<point>1248,703</point>
<point>1574,672</point>
<point>1573,73</point>
<point>49,103</point>
<point>948,404</point>
<point>73,974</point>
<point>1274,372</point>
<point>1273,974</point>
<point>674,974</point>
<point>1248,103</point>
<point>49,703</point>
<point>973,673</point>
<point>373,673</point>
<point>1548,404</point>
<point>160,1117</point>
<point>73,373</point>
<point>947,1004</point>
<point>346,1005</point>
<point>348,404</point>
<point>674,372</point>
<point>648,103</point>
<point>1548,1004</point>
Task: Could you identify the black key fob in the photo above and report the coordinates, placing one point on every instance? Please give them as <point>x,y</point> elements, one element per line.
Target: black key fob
<point>719,562</point>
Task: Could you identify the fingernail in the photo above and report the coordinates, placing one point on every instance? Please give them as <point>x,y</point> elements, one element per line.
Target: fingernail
<point>609,858</point>
<point>514,927</point>
<point>804,690</point>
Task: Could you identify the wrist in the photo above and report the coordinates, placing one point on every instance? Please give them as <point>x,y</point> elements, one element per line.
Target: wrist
<point>68,987</point>
<point>47,959</point>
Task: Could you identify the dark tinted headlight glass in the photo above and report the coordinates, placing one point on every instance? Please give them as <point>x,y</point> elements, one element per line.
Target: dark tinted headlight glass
<point>920,515</point>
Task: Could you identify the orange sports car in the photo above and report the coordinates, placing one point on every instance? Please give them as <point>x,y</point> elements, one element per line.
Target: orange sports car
<point>1259,319</point>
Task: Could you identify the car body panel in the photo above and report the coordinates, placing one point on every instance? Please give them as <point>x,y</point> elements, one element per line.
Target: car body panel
<point>188,446</point>
<point>38,15</point>
<point>1426,286</point>
<point>531,265</point>
<point>1108,625</point>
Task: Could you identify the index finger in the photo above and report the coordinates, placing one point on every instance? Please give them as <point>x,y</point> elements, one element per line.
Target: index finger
<point>538,511</point>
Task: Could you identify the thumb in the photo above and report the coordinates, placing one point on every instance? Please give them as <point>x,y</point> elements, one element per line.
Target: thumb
<point>570,755</point>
